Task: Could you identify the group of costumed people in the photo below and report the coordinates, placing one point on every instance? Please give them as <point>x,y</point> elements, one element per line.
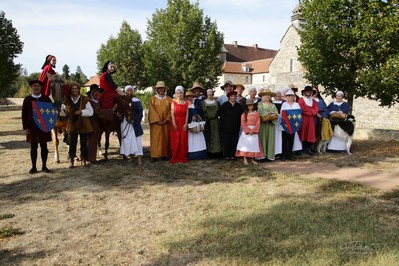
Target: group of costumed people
<point>256,127</point>
<point>84,114</point>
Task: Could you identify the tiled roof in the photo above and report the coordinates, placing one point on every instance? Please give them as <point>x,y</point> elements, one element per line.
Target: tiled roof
<point>254,67</point>
<point>241,53</point>
<point>93,80</point>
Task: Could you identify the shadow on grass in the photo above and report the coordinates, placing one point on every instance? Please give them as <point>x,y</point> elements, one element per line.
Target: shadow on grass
<point>364,152</point>
<point>12,133</point>
<point>15,145</point>
<point>391,195</point>
<point>338,186</point>
<point>293,232</point>
<point>125,175</point>
<point>17,256</point>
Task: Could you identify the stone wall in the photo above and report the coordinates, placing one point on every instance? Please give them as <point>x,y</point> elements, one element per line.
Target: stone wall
<point>285,68</point>
<point>369,115</point>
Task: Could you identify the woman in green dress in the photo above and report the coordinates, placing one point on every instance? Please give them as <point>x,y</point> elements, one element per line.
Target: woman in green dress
<point>268,113</point>
<point>210,108</point>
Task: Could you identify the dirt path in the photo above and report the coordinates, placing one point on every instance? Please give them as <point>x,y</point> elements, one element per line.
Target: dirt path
<point>380,179</point>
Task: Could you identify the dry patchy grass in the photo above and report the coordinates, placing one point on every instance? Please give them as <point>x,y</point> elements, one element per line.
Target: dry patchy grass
<point>202,213</point>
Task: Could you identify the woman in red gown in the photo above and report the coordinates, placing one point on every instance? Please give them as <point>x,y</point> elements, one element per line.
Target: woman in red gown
<point>47,68</point>
<point>111,90</point>
<point>178,133</point>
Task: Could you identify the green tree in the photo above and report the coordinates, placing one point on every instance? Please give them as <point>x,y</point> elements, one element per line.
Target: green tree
<point>182,46</point>
<point>10,47</point>
<point>21,85</point>
<point>82,77</point>
<point>65,72</point>
<point>126,52</point>
<point>353,46</point>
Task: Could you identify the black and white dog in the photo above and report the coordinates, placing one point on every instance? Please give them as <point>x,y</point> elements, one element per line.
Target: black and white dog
<point>344,131</point>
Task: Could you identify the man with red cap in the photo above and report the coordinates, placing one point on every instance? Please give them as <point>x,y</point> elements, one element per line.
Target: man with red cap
<point>35,135</point>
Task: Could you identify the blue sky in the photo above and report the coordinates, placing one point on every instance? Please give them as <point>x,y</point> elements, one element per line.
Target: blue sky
<point>74,30</point>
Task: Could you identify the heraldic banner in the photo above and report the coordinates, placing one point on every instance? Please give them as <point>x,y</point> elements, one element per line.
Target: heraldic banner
<point>291,120</point>
<point>45,115</point>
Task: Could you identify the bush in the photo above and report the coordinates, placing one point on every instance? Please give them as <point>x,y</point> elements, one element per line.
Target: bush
<point>144,98</point>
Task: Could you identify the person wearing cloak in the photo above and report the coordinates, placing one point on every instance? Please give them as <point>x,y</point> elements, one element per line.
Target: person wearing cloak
<point>159,120</point>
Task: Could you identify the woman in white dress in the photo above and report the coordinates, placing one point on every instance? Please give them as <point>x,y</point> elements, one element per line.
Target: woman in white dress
<point>128,136</point>
<point>196,141</point>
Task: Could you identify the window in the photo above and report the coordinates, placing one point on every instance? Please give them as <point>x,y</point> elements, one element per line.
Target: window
<point>291,64</point>
<point>246,80</point>
<point>263,78</point>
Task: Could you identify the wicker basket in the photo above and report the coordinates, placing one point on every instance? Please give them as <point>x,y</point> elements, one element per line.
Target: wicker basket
<point>197,126</point>
<point>270,117</point>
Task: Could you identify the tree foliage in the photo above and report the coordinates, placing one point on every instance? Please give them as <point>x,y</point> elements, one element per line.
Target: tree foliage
<point>182,46</point>
<point>353,46</point>
<point>10,47</point>
<point>78,76</point>
<point>65,72</point>
<point>21,86</point>
<point>126,52</point>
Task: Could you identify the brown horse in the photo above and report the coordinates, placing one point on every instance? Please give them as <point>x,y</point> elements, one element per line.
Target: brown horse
<point>125,109</point>
<point>57,89</point>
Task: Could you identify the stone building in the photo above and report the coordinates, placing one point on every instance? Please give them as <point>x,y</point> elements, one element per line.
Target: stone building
<point>260,67</point>
<point>245,64</point>
<point>285,69</point>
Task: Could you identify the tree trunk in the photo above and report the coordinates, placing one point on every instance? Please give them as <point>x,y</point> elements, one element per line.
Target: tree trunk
<point>350,103</point>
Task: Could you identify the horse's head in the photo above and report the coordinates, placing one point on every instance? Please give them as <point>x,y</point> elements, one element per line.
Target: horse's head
<point>125,107</point>
<point>57,88</point>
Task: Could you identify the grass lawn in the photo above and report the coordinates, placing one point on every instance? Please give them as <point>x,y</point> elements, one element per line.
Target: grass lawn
<point>201,213</point>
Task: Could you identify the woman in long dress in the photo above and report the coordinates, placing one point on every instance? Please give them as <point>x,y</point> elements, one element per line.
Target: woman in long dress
<point>178,128</point>
<point>322,113</point>
<point>337,110</point>
<point>267,128</point>
<point>128,136</point>
<point>248,144</point>
<point>196,141</point>
<point>210,109</point>
<point>111,90</point>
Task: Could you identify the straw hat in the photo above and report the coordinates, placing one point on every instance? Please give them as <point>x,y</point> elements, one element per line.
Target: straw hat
<point>250,102</point>
<point>228,82</point>
<point>160,84</point>
<point>190,94</point>
<point>239,85</point>
<point>197,85</point>
<point>266,92</point>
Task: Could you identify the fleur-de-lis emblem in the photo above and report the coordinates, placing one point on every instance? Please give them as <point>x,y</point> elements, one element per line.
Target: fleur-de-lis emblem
<point>296,124</point>
<point>52,111</point>
<point>289,117</point>
<point>299,116</point>
<point>38,120</point>
<point>41,110</point>
<point>51,121</point>
<point>47,111</point>
<point>294,116</point>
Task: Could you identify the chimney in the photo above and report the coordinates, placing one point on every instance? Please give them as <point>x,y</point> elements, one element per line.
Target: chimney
<point>235,43</point>
<point>255,46</point>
